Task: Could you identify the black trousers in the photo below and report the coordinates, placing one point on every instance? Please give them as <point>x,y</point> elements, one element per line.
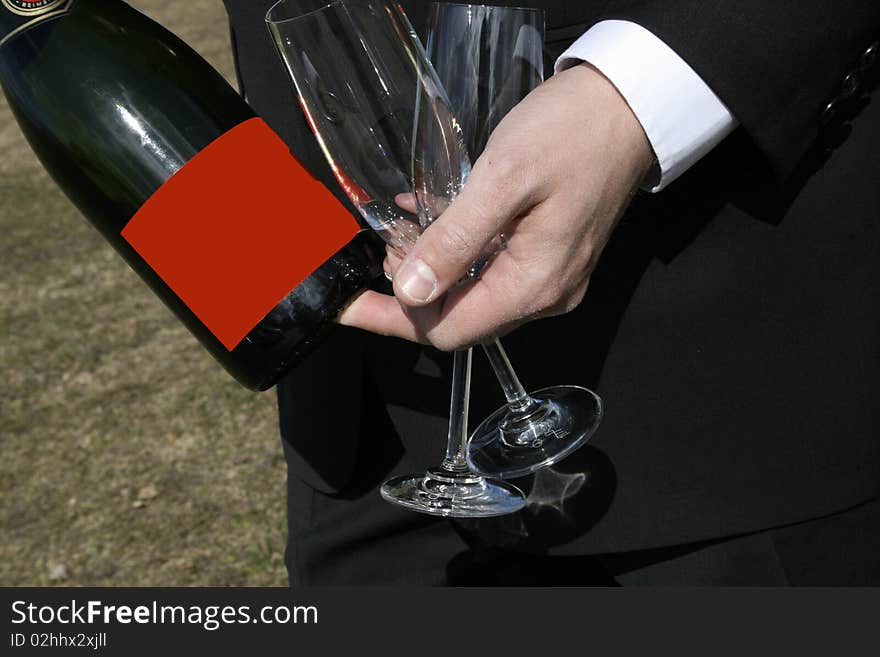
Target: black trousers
<point>355,538</point>
<point>838,550</point>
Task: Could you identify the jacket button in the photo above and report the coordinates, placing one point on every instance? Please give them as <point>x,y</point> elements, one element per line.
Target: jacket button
<point>828,113</point>
<point>869,57</point>
<point>850,85</point>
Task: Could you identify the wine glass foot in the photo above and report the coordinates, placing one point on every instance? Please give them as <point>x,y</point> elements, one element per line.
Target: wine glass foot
<point>453,494</point>
<point>560,420</point>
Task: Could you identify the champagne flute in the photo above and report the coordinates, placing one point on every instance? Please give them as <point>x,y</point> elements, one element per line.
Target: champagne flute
<point>488,59</point>
<point>370,95</point>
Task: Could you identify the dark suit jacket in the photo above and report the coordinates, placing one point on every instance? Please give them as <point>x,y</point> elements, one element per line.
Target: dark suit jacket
<point>732,326</point>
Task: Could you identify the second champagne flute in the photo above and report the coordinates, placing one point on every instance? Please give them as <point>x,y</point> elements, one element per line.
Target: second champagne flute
<point>362,80</point>
<point>488,59</point>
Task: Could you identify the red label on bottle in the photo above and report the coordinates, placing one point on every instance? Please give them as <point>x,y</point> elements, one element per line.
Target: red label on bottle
<point>237,228</point>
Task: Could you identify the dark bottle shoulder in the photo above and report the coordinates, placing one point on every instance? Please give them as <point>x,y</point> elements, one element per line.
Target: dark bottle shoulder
<point>107,92</point>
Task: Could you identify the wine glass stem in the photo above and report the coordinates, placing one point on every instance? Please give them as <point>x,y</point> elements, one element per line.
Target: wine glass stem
<point>518,400</point>
<point>458,412</point>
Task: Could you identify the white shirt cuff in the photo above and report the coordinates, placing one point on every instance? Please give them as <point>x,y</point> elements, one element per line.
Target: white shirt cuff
<point>680,114</point>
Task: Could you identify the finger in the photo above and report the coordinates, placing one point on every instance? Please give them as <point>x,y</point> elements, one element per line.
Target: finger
<point>470,314</point>
<point>382,314</point>
<point>488,309</point>
<point>521,284</point>
<point>431,205</point>
<point>407,202</point>
<point>391,263</point>
<point>393,259</point>
<point>481,310</point>
<point>492,198</point>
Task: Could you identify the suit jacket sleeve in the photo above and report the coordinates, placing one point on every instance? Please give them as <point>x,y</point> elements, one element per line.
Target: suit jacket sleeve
<point>776,64</point>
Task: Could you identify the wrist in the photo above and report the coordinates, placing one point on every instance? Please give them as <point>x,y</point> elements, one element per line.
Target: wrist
<point>623,130</point>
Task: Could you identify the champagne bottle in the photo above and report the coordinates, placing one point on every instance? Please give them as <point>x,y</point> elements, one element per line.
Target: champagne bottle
<point>191,188</point>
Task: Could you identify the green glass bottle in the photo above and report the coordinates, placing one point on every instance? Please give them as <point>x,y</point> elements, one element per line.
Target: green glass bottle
<point>193,190</point>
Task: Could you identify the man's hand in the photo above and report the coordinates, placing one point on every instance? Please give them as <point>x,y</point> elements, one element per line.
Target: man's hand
<point>555,177</point>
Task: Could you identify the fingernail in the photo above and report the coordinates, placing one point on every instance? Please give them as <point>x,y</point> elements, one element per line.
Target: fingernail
<point>417,281</point>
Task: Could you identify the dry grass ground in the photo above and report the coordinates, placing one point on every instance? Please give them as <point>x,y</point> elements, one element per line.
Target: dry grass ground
<point>127,457</point>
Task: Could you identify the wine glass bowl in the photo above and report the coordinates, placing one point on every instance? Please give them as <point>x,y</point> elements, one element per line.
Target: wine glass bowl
<point>358,72</point>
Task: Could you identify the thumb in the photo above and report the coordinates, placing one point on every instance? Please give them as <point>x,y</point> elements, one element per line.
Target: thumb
<point>457,238</point>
